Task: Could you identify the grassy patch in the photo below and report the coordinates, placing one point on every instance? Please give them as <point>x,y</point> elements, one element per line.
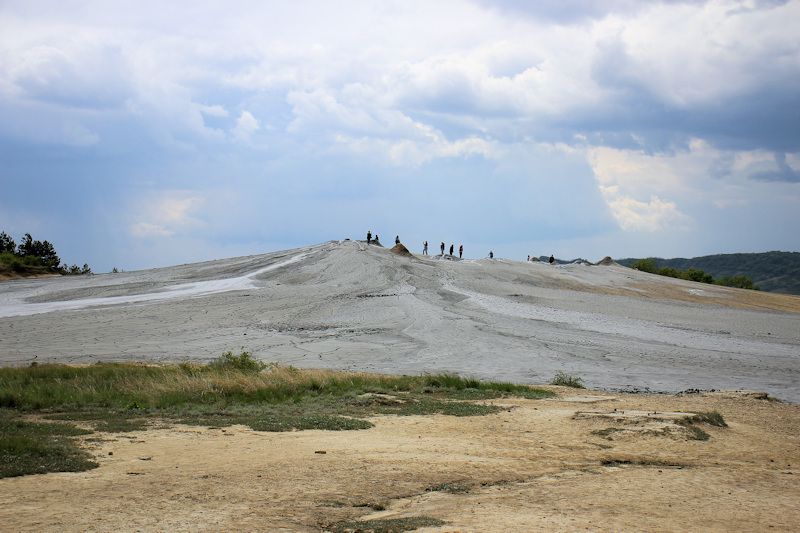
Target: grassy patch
<point>712,418</point>
<point>244,362</point>
<point>565,380</point>
<point>451,487</point>
<point>234,389</point>
<point>386,525</point>
<point>35,448</point>
<point>104,421</point>
<point>607,432</point>
<point>119,386</point>
<point>639,462</point>
<point>695,433</point>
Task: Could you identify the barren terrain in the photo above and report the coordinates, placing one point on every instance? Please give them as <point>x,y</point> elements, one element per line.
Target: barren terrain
<point>584,460</point>
<point>345,305</point>
<point>596,460</point>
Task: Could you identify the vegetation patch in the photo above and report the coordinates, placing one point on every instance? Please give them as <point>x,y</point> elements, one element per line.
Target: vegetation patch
<point>244,362</point>
<point>453,487</point>
<point>695,433</point>
<point>640,462</point>
<point>32,258</point>
<point>386,525</point>
<point>104,421</point>
<point>692,274</point>
<point>37,448</point>
<point>565,380</point>
<point>712,418</point>
<point>607,432</point>
<point>234,389</point>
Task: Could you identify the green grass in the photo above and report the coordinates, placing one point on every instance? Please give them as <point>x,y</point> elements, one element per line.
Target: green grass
<point>36,448</point>
<point>147,388</point>
<point>386,525</point>
<point>565,380</point>
<point>234,389</point>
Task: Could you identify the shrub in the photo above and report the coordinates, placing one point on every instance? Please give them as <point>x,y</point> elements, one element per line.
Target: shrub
<point>566,380</point>
<point>244,362</point>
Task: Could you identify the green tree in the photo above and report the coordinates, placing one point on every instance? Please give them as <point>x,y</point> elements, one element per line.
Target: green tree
<point>44,250</point>
<point>694,274</point>
<point>645,265</point>
<point>741,281</point>
<point>7,244</point>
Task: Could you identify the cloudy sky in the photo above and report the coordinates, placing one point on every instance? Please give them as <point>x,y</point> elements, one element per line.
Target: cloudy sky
<point>137,134</point>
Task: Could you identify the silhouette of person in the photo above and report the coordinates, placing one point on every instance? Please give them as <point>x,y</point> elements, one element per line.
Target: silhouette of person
<point>491,254</point>
<point>529,258</point>
<point>441,246</point>
<point>397,239</point>
<point>369,236</point>
<point>377,239</point>
<point>460,250</point>
<point>552,259</point>
<point>451,248</point>
<point>425,248</point>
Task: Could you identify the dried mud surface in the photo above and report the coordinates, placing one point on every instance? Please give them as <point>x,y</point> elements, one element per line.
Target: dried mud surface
<point>346,305</point>
<point>584,460</point>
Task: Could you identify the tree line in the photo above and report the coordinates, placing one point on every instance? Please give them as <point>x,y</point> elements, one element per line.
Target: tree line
<point>32,256</point>
<point>694,274</point>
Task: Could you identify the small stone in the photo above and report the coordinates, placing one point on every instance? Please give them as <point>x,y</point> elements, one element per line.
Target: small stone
<point>321,452</point>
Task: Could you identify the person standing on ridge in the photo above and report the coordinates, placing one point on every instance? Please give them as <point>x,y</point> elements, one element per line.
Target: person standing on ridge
<point>369,236</point>
<point>460,250</point>
<point>397,239</point>
<point>425,248</point>
<point>552,259</point>
<point>491,254</point>
<point>451,249</point>
<point>377,239</point>
<point>441,246</point>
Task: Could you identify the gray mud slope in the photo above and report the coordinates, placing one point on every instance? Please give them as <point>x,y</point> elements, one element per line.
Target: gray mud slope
<point>350,306</point>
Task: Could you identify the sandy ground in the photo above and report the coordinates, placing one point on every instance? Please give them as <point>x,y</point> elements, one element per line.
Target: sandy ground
<point>345,305</point>
<point>536,466</point>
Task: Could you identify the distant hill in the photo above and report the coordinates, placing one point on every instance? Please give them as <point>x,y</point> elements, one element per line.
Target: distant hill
<point>771,271</point>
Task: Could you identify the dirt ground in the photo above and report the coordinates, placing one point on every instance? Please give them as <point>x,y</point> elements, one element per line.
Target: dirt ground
<point>536,466</point>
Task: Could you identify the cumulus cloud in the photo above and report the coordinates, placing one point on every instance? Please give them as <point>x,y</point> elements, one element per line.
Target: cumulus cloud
<point>653,215</point>
<point>246,126</point>
<point>667,110</point>
<point>166,213</point>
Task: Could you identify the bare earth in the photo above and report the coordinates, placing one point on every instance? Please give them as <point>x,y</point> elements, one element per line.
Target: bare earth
<point>535,467</point>
<point>345,305</point>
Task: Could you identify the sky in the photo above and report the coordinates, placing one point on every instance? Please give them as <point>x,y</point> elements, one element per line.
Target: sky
<point>151,133</point>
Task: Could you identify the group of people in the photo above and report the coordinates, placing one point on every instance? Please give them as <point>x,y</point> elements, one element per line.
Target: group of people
<point>376,239</point>
<point>441,249</point>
